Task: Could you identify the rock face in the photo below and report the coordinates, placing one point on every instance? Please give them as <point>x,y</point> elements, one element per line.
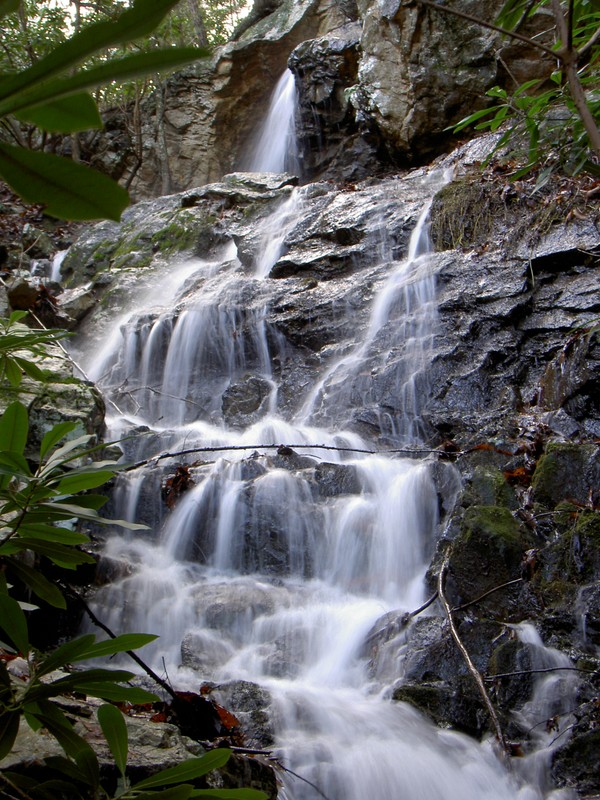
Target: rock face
<point>378,85</point>
<point>511,383</point>
<point>211,112</point>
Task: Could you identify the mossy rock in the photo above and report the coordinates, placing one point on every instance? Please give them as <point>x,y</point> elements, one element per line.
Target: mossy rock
<point>486,553</point>
<point>464,214</point>
<point>566,472</point>
<point>488,487</point>
<point>574,558</point>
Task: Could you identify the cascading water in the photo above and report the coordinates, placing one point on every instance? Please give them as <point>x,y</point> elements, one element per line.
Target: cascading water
<point>262,572</point>
<point>275,149</point>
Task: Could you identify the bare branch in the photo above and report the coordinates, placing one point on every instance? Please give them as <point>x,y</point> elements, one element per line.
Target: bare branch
<point>224,448</point>
<point>490,678</point>
<point>484,24</point>
<point>485,594</point>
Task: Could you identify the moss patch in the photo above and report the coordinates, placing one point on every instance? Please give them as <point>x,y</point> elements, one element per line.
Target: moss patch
<point>488,487</point>
<point>486,553</point>
<point>565,472</point>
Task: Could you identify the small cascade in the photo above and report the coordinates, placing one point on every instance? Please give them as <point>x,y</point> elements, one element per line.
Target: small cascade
<point>274,231</point>
<point>276,149</point>
<point>548,713</point>
<point>56,265</point>
<point>401,333</point>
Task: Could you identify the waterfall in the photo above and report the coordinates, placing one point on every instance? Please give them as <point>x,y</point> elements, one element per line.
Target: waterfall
<point>275,149</point>
<point>262,572</point>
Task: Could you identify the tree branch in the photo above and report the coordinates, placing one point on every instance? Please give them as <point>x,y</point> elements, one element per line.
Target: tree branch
<point>236,447</point>
<point>490,678</point>
<point>99,624</point>
<point>489,25</point>
<point>485,594</point>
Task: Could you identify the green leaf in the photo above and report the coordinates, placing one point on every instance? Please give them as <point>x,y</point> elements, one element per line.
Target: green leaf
<point>9,727</point>
<point>67,653</point>
<point>120,644</point>
<point>64,115</point>
<point>465,121</point>
<point>187,770</point>
<point>120,694</point>
<point>122,69</point>
<point>54,436</point>
<point>58,725</point>
<point>84,480</point>
<point>66,766</point>
<point>87,762</point>
<point>115,732</point>
<point>89,501</point>
<point>12,372</point>
<point>60,554</point>
<point>68,190</point>
<point>38,584</point>
<point>14,427</point>
<point>14,623</point>
<point>31,369</point>
<point>52,533</point>
<point>8,6</point>
<point>59,457</point>
<point>133,23</point>
<point>14,464</point>
<point>175,793</point>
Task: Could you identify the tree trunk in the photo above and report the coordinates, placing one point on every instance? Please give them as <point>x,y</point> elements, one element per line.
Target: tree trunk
<point>161,138</point>
<point>198,23</point>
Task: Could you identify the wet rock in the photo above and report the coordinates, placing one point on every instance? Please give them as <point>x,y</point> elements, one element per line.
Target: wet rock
<point>576,764</point>
<point>566,472</point>
<point>250,703</point>
<point>204,652</point>
<point>487,552</point>
<point>243,401</point>
<point>329,141</point>
<point>436,679</point>
<point>336,479</point>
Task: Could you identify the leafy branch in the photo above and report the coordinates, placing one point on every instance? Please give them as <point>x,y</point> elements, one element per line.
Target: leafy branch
<point>560,122</point>
<point>52,94</point>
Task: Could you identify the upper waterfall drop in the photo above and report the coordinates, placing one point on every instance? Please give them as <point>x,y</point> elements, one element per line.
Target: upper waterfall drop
<point>276,149</point>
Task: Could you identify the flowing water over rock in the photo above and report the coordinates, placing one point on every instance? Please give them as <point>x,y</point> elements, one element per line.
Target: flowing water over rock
<point>275,149</point>
<point>275,566</point>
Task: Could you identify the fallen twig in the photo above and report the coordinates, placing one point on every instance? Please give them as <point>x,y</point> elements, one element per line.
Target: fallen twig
<point>237,447</point>
<point>305,780</point>
<point>471,666</point>
<point>485,594</point>
<point>490,678</point>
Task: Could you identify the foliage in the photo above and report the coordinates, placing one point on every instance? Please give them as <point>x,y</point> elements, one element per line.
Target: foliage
<point>53,93</point>
<point>557,115</point>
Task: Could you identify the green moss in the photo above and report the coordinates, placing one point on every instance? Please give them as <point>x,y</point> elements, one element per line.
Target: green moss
<point>484,525</point>
<point>489,488</point>
<point>173,238</point>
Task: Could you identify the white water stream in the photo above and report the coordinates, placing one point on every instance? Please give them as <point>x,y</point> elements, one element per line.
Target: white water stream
<point>275,149</point>
<point>262,579</point>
